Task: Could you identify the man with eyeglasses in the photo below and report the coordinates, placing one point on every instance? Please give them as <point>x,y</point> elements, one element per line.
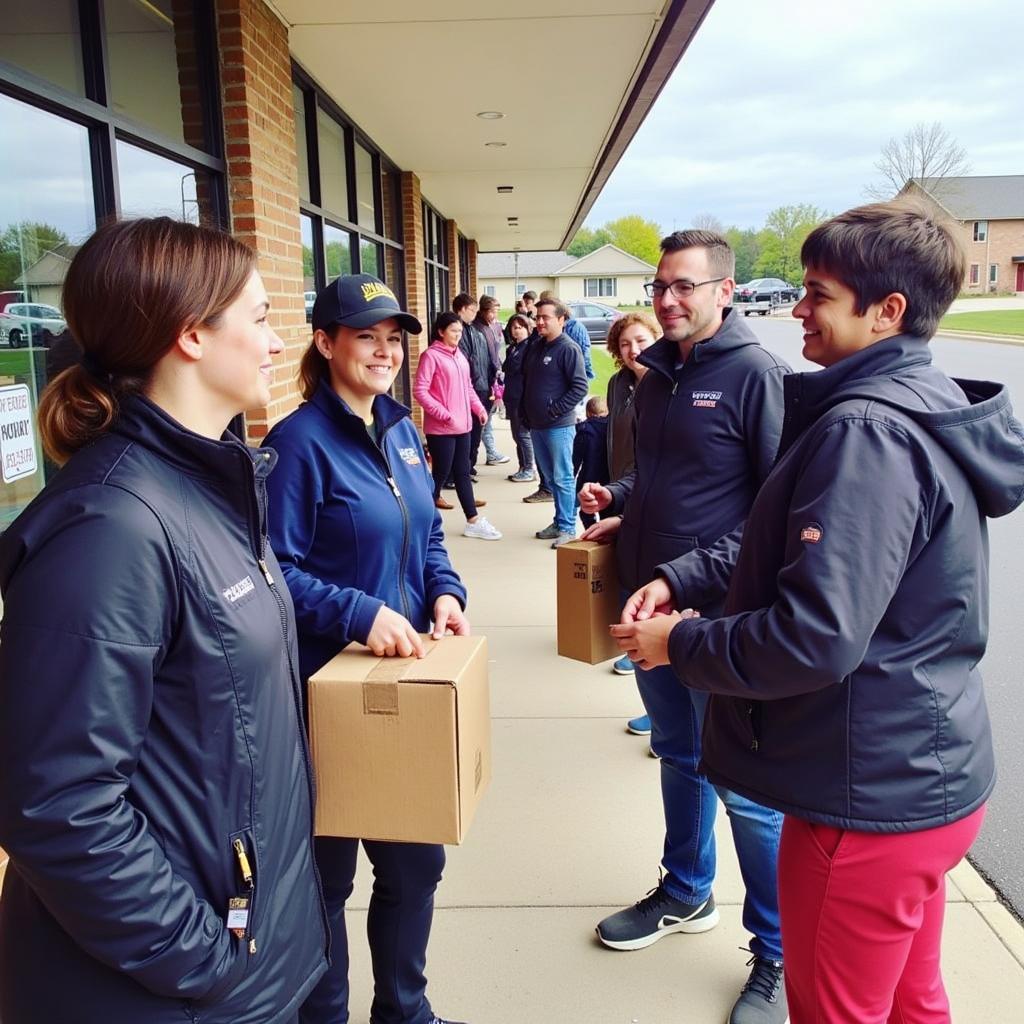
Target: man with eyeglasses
<point>709,419</point>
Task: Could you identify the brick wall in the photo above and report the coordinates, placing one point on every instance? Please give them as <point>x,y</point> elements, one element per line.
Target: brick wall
<point>474,284</point>
<point>263,193</point>
<point>451,230</point>
<point>1005,240</point>
<point>415,274</point>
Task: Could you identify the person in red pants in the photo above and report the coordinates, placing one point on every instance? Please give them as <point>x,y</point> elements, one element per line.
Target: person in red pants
<point>843,675</point>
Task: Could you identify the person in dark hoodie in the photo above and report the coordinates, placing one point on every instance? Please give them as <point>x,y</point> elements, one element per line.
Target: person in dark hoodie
<point>709,416</point>
<point>844,670</point>
<point>590,449</point>
<point>351,479</point>
<point>157,792</point>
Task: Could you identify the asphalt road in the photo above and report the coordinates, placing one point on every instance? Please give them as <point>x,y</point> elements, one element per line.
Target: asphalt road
<point>999,851</point>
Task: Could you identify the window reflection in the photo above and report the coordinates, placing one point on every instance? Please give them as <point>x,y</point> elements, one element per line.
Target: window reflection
<point>301,143</point>
<point>43,37</point>
<point>333,168</point>
<point>367,216</point>
<point>154,66</point>
<point>155,186</point>
<point>369,256</point>
<point>338,251</point>
<point>46,211</point>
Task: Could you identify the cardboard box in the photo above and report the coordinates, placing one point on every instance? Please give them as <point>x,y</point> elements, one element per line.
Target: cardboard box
<point>588,601</point>
<point>401,746</point>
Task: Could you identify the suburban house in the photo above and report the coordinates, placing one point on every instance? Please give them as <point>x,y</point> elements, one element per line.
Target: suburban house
<point>608,274</point>
<point>990,211</point>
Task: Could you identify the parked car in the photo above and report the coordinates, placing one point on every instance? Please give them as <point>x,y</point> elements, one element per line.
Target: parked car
<point>764,293</point>
<point>310,298</point>
<point>25,322</point>
<point>595,316</point>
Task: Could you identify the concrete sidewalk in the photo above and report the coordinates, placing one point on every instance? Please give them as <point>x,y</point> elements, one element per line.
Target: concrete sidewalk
<point>572,830</point>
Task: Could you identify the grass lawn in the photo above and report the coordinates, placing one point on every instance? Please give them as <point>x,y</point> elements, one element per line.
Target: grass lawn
<point>995,321</point>
<point>604,369</point>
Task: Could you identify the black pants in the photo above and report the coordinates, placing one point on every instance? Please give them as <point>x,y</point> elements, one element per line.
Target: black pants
<point>449,459</point>
<point>405,876</point>
<point>478,429</point>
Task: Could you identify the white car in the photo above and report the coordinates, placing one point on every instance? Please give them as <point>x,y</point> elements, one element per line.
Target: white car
<point>24,322</point>
<point>310,298</point>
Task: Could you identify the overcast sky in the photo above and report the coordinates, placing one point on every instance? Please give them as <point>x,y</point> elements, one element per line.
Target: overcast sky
<point>790,102</point>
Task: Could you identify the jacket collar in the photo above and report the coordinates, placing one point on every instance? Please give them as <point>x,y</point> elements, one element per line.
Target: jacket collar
<point>663,355</point>
<point>144,422</point>
<point>386,411</point>
<point>810,395</point>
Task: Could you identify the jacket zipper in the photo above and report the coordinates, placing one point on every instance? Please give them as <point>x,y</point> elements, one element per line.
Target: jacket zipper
<point>261,558</point>
<point>389,476</point>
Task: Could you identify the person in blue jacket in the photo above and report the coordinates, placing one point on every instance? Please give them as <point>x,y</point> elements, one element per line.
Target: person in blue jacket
<point>353,523</point>
<point>156,799</point>
<point>843,672</point>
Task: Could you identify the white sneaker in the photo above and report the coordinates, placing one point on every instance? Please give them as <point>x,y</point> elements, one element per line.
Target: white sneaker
<point>481,529</point>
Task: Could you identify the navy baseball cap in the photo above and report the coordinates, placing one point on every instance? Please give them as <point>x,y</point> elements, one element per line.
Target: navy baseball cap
<point>359,300</point>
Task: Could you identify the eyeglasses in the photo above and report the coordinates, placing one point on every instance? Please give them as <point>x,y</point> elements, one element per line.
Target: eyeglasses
<point>680,289</point>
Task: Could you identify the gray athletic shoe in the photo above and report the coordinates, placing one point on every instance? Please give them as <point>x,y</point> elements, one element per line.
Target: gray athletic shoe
<point>658,914</point>
<point>548,533</point>
<point>763,999</point>
<point>563,538</point>
<point>539,495</point>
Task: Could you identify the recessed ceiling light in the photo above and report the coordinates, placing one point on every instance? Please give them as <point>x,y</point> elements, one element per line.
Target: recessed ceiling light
<point>496,145</point>
<point>490,115</point>
<point>504,189</point>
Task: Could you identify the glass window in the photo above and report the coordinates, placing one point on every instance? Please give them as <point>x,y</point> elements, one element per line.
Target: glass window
<point>993,273</point>
<point>595,287</point>
<point>301,142</point>
<point>46,211</point>
<point>370,258</point>
<point>333,167</point>
<point>43,38</point>
<point>309,281</point>
<point>366,204</point>
<point>154,69</point>
<point>975,275</point>
<point>153,185</point>
<point>520,289</point>
<point>980,230</point>
<point>490,289</point>
<point>338,251</point>
<point>391,210</point>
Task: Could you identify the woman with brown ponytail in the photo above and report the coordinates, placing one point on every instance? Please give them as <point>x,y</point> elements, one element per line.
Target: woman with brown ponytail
<point>156,797</point>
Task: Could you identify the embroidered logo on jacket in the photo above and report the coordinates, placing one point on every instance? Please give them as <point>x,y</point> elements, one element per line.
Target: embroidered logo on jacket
<point>238,590</point>
<point>706,399</point>
<point>811,533</point>
<point>409,456</point>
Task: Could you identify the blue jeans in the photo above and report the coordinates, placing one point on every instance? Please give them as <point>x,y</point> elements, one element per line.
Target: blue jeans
<point>553,450</point>
<point>405,876</point>
<point>677,715</point>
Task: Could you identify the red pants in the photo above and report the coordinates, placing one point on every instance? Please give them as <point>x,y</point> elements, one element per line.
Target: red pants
<point>862,921</point>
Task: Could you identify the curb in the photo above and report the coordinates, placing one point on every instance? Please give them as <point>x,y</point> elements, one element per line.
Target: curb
<point>996,339</point>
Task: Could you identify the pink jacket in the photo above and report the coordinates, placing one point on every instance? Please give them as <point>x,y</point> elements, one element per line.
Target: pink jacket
<point>444,390</point>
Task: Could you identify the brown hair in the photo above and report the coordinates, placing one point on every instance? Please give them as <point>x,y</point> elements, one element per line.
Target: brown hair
<point>597,406</point>
<point>560,310</point>
<point>523,320</point>
<point>721,259</point>
<point>461,301</point>
<point>899,246</point>
<point>132,289</point>
<point>624,321</point>
<point>488,302</point>
<point>313,366</point>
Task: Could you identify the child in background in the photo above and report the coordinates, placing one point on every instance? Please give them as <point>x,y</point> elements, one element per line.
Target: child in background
<point>590,449</point>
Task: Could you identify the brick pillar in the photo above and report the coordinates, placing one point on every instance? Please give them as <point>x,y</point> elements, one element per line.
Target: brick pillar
<point>415,273</point>
<point>474,284</point>
<point>263,193</point>
<point>451,231</point>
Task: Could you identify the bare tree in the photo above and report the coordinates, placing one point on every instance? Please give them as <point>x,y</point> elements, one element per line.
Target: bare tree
<point>708,222</point>
<point>925,151</point>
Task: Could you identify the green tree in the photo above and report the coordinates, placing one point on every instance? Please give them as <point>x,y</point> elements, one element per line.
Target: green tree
<point>746,244</point>
<point>636,236</point>
<point>783,234</point>
<point>23,244</point>
<point>586,240</point>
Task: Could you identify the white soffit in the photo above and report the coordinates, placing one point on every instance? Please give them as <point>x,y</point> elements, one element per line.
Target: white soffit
<point>414,75</point>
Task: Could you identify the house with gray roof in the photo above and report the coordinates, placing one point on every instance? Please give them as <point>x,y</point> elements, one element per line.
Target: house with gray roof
<point>608,274</point>
<point>990,212</point>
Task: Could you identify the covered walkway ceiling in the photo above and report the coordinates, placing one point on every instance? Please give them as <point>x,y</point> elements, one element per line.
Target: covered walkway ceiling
<point>573,78</point>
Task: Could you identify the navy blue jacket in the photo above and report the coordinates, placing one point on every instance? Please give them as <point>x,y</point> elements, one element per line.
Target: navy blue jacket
<point>513,370</point>
<point>590,451</point>
<point>483,364</point>
<point>845,671</point>
<point>554,383</point>
<point>706,438</point>
<point>353,523</point>
<point>150,719</point>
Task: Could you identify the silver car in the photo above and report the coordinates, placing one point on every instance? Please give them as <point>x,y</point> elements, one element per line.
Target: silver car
<point>25,322</point>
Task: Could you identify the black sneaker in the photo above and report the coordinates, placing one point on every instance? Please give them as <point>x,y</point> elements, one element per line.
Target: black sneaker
<point>763,999</point>
<point>658,914</point>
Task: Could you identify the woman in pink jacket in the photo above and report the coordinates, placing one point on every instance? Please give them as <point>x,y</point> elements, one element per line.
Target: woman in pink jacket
<point>444,389</point>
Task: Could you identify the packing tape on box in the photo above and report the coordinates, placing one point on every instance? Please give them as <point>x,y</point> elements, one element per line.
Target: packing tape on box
<point>380,689</point>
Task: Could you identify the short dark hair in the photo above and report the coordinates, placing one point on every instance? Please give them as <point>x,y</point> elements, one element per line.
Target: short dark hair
<point>441,323</point>
<point>522,320</point>
<point>560,310</point>
<point>532,296</point>
<point>721,259</point>
<point>488,302</point>
<point>900,246</point>
<point>462,300</point>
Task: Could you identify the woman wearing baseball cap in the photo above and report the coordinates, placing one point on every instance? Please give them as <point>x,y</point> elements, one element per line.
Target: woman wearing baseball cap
<point>353,524</point>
